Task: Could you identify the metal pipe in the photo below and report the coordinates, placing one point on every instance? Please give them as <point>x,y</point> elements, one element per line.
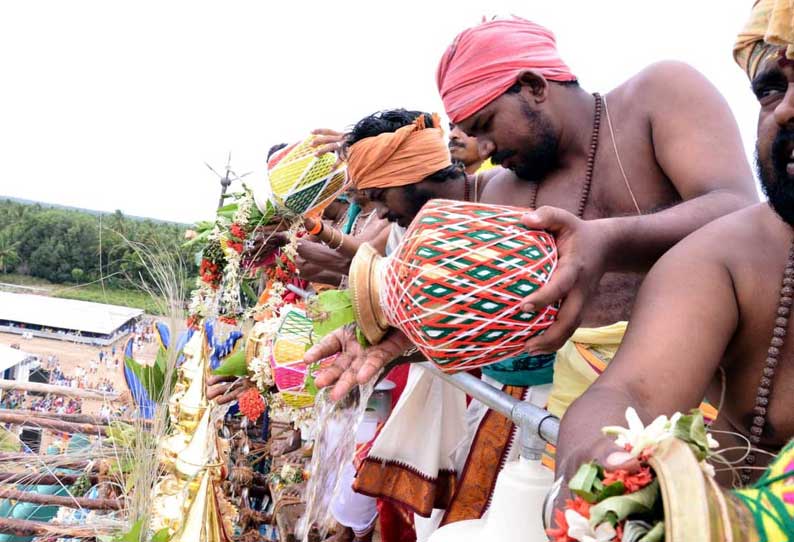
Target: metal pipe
<point>537,425</point>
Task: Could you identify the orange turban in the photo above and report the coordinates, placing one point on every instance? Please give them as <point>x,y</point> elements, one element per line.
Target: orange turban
<point>399,158</point>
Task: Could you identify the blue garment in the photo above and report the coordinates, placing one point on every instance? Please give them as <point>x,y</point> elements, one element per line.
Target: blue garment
<point>523,370</point>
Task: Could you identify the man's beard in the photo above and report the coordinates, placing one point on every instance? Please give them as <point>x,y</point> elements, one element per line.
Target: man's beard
<point>536,163</point>
<point>775,180</point>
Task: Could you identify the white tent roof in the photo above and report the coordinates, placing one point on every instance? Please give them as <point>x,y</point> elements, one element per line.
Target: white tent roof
<point>64,313</point>
<point>10,357</point>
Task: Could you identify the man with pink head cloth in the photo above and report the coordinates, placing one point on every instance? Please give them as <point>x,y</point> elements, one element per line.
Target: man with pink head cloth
<point>618,178</point>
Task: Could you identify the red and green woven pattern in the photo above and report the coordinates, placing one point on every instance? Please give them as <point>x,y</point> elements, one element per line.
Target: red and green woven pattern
<point>455,283</point>
<point>301,182</point>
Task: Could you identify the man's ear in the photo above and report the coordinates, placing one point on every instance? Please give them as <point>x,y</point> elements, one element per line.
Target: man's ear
<point>536,84</point>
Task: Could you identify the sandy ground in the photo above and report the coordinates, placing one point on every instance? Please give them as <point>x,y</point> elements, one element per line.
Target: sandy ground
<point>71,356</point>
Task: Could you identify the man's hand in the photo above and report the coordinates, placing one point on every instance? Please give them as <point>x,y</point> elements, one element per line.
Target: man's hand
<point>226,389</point>
<point>582,250</point>
<point>354,364</point>
<point>318,263</point>
<point>326,140</point>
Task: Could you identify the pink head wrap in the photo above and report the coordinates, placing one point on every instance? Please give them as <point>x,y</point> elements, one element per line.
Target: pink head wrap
<point>485,60</point>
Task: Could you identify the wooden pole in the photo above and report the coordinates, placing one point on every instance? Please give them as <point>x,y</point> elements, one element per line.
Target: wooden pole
<point>59,500</point>
<point>54,461</point>
<point>25,527</point>
<point>44,479</point>
<point>53,425</point>
<point>76,418</point>
<point>59,390</point>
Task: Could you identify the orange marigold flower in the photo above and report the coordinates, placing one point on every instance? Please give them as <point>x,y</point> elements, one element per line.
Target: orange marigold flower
<point>559,533</point>
<point>251,404</point>
<point>631,481</point>
<point>578,505</point>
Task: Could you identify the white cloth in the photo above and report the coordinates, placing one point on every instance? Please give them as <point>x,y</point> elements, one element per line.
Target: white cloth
<point>396,234</point>
<point>349,508</point>
<point>536,395</point>
<point>426,427</point>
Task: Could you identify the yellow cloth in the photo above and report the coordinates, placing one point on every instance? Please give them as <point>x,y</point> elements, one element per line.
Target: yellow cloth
<point>771,26</point>
<point>485,166</point>
<point>771,499</point>
<point>580,361</point>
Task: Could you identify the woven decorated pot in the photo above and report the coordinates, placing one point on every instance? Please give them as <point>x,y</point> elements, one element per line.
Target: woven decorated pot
<point>695,507</point>
<point>301,183</point>
<point>455,282</point>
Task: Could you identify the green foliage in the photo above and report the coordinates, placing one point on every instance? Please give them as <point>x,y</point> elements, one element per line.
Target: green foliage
<point>615,509</point>
<point>692,430</point>
<point>152,377</point>
<point>72,246</point>
<point>331,310</point>
<point>233,365</point>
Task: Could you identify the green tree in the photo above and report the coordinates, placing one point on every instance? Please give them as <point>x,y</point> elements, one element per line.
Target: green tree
<point>8,250</point>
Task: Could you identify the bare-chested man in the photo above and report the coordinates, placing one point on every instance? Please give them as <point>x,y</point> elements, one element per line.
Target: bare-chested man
<point>712,318</point>
<point>643,166</point>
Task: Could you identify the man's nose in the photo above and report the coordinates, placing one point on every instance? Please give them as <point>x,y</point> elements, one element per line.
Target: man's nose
<point>784,112</point>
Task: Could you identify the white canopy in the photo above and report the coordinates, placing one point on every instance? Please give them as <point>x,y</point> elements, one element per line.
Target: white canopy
<point>69,314</point>
<point>10,357</point>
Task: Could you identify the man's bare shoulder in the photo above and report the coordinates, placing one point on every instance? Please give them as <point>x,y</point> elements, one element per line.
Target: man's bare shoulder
<point>716,242</point>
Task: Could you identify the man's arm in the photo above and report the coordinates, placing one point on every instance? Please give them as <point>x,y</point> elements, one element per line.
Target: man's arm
<point>697,144</point>
<point>684,319</point>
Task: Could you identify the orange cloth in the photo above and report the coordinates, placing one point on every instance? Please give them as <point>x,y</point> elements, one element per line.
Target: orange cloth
<point>398,158</point>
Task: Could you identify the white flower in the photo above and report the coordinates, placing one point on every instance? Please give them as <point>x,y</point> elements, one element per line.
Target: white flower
<point>712,442</point>
<point>637,436</point>
<point>708,469</point>
<point>579,528</point>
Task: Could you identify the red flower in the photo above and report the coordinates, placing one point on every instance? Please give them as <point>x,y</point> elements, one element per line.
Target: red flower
<point>631,481</point>
<point>237,231</point>
<point>237,247</point>
<point>192,322</point>
<point>251,404</point>
<point>231,320</point>
<point>559,533</point>
<point>578,505</point>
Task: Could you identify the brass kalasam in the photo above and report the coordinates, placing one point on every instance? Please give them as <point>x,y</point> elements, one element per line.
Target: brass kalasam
<point>696,508</point>
<point>365,286</point>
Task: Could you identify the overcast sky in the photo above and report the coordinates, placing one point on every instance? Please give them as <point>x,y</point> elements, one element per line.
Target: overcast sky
<point>117,105</point>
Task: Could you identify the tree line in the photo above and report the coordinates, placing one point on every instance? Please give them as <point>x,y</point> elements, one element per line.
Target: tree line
<point>73,246</point>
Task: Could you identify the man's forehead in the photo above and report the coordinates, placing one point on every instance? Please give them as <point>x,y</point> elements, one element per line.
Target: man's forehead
<point>773,60</point>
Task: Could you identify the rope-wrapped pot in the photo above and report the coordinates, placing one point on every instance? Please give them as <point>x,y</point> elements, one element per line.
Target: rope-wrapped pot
<point>300,183</point>
<point>455,283</point>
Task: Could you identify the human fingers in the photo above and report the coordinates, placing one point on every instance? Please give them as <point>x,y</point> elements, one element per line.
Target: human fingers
<point>331,344</point>
<point>622,460</point>
<point>326,132</point>
<point>217,379</point>
<point>567,320</point>
<point>347,381</point>
<point>552,219</point>
<point>560,285</point>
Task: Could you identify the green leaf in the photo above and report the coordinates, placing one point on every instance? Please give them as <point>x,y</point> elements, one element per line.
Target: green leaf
<point>151,377</point>
<point>611,490</point>
<point>133,535</point>
<point>161,535</point>
<point>233,365</point>
<point>331,310</point>
<point>248,291</point>
<point>656,534</point>
<point>583,482</point>
<point>309,384</point>
<point>619,508</point>
<point>361,338</point>
<point>692,430</point>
